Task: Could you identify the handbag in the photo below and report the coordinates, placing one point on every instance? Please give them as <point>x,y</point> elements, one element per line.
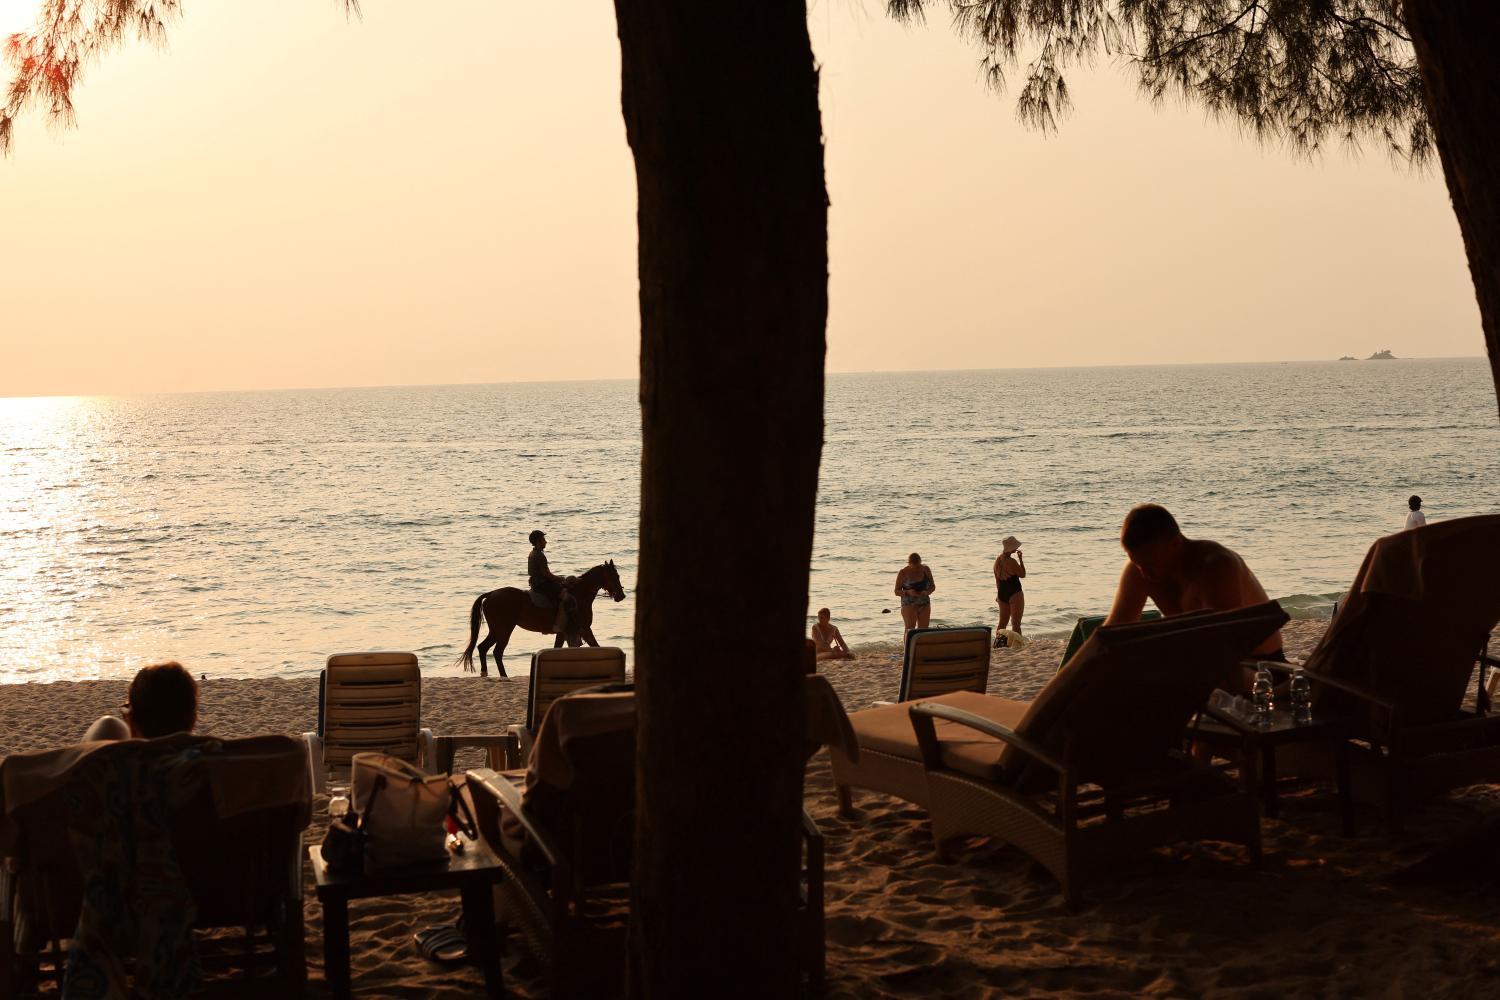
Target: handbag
<point>401,809</point>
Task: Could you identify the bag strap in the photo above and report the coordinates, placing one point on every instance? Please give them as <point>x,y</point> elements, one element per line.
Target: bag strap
<point>364,815</point>
<point>458,804</point>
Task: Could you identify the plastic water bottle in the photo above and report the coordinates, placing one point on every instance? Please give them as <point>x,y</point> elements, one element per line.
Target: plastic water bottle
<point>1262,697</point>
<point>1301,694</point>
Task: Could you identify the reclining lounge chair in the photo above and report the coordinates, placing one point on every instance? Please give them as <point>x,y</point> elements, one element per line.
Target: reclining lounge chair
<point>565,839</point>
<point>1401,656</point>
<point>1093,769</point>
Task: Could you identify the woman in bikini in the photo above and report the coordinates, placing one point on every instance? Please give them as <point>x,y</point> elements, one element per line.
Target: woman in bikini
<point>1009,568</point>
<point>914,585</point>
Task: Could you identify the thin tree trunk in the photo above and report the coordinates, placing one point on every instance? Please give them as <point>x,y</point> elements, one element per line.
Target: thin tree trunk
<point>1456,43</point>
<point>721,108</point>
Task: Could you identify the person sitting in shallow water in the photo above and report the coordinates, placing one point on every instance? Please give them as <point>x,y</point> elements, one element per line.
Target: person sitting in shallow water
<point>1182,574</point>
<point>163,700</point>
<point>826,639</point>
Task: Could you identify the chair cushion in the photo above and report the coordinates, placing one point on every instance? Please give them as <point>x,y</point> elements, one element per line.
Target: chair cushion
<point>888,730</point>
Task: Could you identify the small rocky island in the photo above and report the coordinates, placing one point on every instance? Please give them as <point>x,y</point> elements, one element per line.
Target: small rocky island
<point>1377,356</point>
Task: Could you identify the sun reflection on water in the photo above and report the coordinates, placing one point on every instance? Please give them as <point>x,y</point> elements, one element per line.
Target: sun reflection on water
<point>45,590</point>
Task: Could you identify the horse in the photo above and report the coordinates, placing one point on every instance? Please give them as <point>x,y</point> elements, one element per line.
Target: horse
<point>508,607</point>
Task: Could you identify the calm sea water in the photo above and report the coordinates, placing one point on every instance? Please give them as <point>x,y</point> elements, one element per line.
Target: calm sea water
<point>254,533</point>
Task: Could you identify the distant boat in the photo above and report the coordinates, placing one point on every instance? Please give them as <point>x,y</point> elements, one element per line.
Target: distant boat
<point>1348,357</point>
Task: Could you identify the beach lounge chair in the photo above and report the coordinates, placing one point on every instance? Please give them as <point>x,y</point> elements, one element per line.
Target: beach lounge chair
<point>1092,770</point>
<point>565,838</point>
<point>367,702</point>
<point>556,673</point>
<point>187,822</point>
<point>938,662</point>
<point>1401,656</point>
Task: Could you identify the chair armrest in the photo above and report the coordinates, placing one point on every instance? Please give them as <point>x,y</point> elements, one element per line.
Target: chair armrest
<point>509,796</point>
<point>883,704</point>
<point>930,710</point>
<point>1354,688</point>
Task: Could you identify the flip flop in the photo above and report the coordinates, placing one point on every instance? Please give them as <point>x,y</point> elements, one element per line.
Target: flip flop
<point>443,943</point>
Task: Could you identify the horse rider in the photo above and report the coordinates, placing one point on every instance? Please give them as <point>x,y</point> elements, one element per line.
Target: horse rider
<point>547,583</point>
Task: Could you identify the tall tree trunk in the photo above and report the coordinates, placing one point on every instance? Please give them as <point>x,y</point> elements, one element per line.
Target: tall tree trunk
<point>721,108</point>
<point>1456,51</point>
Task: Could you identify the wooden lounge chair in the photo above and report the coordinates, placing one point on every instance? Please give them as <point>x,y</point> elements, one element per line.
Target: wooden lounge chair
<point>367,702</point>
<point>938,662</point>
<point>565,838</point>
<point>217,822</point>
<point>1093,770</point>
<point>1401,656</point>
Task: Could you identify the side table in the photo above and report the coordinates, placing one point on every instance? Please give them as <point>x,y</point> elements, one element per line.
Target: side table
<point>473,873</point>
<point>1258,743</point>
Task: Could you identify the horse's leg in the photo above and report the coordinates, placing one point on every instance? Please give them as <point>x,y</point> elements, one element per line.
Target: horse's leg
<point>484,647</point>
<point>500,644</point>
<point>588,637</point>
<point>562,635</point>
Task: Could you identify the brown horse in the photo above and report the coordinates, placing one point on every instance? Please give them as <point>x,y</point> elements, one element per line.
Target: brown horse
<point>508,607</point>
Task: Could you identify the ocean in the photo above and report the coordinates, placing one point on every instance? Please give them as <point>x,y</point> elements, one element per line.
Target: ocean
<point>253,533</point>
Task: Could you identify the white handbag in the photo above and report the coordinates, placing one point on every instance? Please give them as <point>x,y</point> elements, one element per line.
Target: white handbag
<point>401,810</point>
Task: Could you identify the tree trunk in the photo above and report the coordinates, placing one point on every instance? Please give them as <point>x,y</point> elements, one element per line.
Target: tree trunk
<point>721,108</point>
<point>1456,51</point>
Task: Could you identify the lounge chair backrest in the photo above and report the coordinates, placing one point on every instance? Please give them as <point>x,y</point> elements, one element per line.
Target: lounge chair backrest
<point>370,702</point>
<point>559,672</point>
<point>1122,703</point>
<point>580,784</point>
<point>1415,619</point>
<point>943,660</point>
<point>235,837</point>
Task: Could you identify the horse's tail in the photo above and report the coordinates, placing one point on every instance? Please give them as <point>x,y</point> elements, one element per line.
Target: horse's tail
<point>466,658</point>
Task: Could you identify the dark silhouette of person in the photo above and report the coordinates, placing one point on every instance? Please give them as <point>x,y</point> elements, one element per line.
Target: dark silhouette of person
<point>547,583</point>
<point>163,700</point>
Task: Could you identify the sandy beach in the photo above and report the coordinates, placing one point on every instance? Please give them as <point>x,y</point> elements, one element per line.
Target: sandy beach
<point>1317,919</point>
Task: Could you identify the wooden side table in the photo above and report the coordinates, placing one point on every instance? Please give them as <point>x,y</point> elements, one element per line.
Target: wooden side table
<point>473,873</point>
<point>1258,745</point>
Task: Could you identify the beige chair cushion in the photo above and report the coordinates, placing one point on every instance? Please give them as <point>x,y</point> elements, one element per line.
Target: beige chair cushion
<point>888,730</point>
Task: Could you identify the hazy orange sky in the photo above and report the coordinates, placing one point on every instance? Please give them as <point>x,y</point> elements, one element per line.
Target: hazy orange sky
<point>444,194</point>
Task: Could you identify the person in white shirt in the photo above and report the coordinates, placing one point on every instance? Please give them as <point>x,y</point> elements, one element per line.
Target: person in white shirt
<point>1416,519</point>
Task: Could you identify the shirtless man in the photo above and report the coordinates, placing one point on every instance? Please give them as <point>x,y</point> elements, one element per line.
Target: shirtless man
<point>1182,574</point>
<point>826,638</point>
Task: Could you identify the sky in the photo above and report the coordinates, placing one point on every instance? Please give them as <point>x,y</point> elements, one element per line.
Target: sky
<point>288,198</point>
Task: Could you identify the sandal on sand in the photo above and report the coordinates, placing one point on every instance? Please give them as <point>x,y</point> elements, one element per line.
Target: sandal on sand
<point>443,943</point>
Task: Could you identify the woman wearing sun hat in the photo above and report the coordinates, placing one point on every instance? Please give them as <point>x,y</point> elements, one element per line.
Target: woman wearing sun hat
<point>1009,568</point>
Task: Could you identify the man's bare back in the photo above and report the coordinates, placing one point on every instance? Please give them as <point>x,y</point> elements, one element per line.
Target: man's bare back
<point>1182,574</point>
